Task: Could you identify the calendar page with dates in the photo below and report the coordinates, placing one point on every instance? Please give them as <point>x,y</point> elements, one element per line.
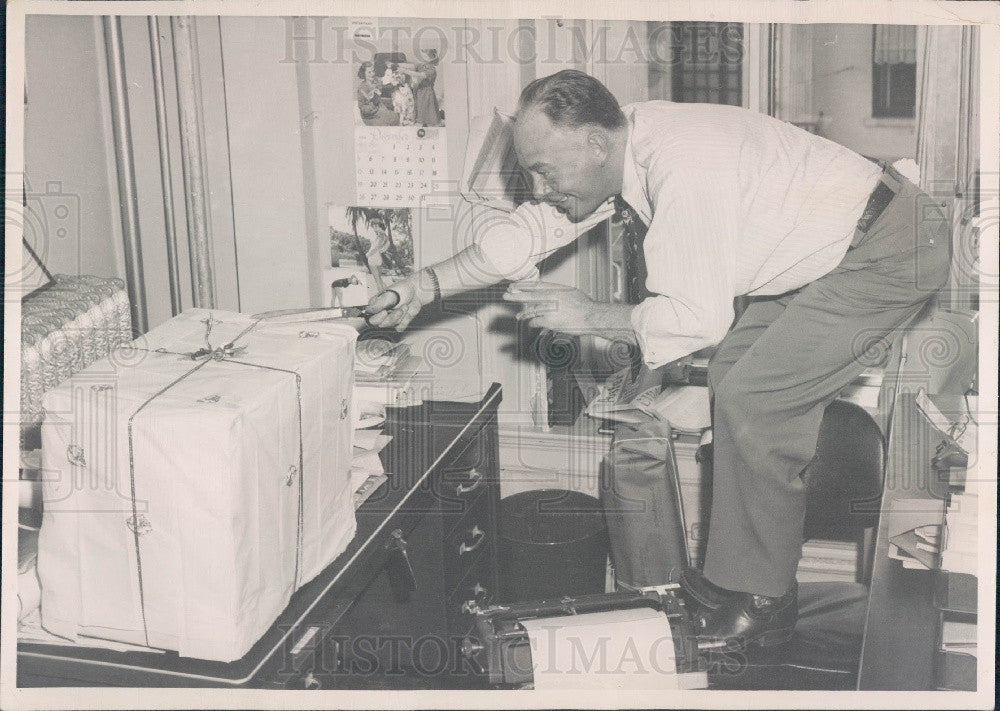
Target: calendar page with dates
<point>397,165</point>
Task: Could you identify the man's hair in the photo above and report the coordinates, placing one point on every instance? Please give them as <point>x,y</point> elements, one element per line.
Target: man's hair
<point>572,98</point>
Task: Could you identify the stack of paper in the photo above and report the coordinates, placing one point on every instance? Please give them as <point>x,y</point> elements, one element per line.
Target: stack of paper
<point>620,399</point>
<point>367,473</point>
<point>958,636</point>
<point>959,427</point>
<point>383,376</point>
<point>914,527</point>
<point>917,548</point>
<point>960,535</point>
<point>374,357</point>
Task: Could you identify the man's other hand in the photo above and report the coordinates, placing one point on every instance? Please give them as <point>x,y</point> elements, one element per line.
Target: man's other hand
<point>553,306</point>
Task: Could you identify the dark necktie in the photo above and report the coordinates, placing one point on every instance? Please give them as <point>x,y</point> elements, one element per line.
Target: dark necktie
<point>634,259</point>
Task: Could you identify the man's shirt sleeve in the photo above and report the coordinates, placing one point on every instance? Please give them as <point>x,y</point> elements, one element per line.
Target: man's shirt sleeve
<point>689,248</point>
<point>512,243</point>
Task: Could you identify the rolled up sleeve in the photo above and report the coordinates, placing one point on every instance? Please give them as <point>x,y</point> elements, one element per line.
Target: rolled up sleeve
<point>512,243</point>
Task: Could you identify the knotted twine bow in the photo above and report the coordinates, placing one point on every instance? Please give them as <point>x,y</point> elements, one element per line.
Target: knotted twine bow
<point>222,352</point>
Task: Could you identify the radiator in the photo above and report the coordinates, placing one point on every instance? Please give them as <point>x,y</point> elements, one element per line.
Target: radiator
<point>65,327</point>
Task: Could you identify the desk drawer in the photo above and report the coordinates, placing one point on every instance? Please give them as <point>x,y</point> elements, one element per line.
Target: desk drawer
<point>472,450</point>
<point>477,508</point>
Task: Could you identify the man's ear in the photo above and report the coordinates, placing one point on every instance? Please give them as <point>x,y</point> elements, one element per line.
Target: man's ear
<point>599,145</point>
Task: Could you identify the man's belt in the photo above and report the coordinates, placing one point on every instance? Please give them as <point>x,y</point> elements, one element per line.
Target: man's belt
<point>880,198</point>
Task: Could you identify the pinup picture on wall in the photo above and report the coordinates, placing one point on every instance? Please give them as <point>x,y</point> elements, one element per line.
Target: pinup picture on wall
<point>377,238</point>
<point>394,91</point>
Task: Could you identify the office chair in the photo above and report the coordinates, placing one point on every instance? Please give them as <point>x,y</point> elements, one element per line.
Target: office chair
<point>843,496</point>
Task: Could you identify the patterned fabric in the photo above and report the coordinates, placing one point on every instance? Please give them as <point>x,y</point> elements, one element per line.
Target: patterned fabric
<point>634,265</point>
<point>64,328</point>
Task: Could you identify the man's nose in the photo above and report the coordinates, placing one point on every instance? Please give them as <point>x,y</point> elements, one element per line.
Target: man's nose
<point>540,187</point>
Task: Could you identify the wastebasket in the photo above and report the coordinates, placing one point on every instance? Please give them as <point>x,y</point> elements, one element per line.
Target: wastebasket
<point>553,543</point>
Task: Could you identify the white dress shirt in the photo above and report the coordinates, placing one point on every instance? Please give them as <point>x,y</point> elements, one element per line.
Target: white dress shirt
<point>736,203</point>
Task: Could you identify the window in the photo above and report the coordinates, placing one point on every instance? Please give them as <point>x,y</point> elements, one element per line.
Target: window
<point>894,71</point>
<point>708,66</point>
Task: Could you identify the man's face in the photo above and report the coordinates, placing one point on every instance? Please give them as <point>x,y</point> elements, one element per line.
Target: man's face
<point>567,170</point>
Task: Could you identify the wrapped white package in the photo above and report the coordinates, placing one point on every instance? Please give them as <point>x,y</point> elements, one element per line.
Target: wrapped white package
<point>194,482</point>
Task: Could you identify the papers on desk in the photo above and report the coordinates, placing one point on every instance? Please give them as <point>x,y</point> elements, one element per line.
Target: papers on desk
<point>367,473</point>
<point>960,427</point>
<point>918,540</point>
<point>383,375</point>
<point>915,532</point>
<point>958,635</point>
<point>685,407</point>
<point>921,533</point>
<point>378,356</point>
<point>960,552</point>
<point>369,441</point>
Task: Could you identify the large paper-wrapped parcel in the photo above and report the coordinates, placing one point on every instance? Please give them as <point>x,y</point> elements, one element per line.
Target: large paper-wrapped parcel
<point>195,480</point>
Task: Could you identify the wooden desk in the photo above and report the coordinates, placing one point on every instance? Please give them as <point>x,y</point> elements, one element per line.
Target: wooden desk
<point>441,500</point>
<point>900,634</point>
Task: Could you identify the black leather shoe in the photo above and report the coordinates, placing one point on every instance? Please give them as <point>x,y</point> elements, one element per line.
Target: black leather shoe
<point>746,619</point>
<point>702,594</point>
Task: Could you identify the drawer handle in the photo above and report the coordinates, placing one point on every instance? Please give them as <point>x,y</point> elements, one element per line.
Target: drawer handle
<point>479,535</point>
<point>476,478</point>
<point>480,596</point>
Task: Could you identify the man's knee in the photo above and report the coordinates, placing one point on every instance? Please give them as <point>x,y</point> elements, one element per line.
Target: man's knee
<point>717,369</point>
<point>732,394</point>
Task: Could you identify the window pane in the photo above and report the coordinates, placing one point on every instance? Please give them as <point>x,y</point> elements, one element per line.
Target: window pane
<point>709,59</point>
<point>894,81</point>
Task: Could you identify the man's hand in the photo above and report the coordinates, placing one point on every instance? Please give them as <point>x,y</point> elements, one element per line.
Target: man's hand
<point>553,306</point>
<point>562,308</point>
<point>398,305</point>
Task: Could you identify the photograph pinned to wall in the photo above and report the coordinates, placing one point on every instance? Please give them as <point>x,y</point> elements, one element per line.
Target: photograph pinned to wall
<point>396,89</point>
<point>366,240</point>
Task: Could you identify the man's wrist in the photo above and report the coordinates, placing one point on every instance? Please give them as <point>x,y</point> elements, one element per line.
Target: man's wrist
<point>612,321</point>
<point>435,283</point>
<point>429,286</point>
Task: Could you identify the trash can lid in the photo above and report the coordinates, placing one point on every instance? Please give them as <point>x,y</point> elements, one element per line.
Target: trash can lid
<point>550,516</point>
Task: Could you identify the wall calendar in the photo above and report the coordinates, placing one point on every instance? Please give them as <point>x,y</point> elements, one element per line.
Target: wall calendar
<point>395,166</point>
